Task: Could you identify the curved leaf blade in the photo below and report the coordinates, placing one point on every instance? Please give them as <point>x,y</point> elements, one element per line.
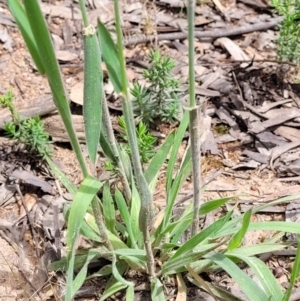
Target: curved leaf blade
<point>248,286</point>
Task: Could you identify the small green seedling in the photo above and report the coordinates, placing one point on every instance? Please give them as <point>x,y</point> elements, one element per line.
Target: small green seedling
<point>159,100</point>
<point>29,131</point>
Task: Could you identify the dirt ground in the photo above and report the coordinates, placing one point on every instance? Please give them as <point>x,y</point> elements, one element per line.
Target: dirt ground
<point>253,183</point>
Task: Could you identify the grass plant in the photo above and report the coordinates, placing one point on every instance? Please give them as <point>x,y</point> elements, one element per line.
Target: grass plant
<point>123,226</point>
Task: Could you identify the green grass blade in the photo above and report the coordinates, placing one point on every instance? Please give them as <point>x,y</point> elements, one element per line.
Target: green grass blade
<point>124,212</point>
<point>178,231</point>
<point>276,226</point>
<point>109,209</point>
<point>247,285</point>
<point>265,277</point>
<point>41,34</point>
<point>114,239</point>
<point>84,196</point>
<point>110,57</point>
<point>185,170</point>
<point>187,217</point>
<point>129,293</point>
<point>212,205</point>
<point>106,147</point>
<point>93,93</point>
<point>61,176</point>
<point>134,216</point>
<point>20,16</point>
<point>159,158</point>
<point>116,287</point>
<point>62,264</point>
<point>294,274</point>
<point>177,143</point>
<point>116,273</point>
<point>256,249</point>
<point>81,276</point>
<point>88,232</point>
<point>173,264</point>
<point>198,238</point>
<point>237,238</point>
<point>157,292</point>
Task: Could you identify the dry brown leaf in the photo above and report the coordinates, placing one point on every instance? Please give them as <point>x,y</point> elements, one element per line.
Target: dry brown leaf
<point>235,51</point>
<point>66,56</point>
<point>29,200</point>
<point>76,94</point>
<point>181,293</point>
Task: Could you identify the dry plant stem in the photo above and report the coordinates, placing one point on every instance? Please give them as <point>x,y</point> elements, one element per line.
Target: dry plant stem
<point>29,220</point>
<point>218,33</point>
<point>111,139</point>
<point>194,120</point>
<point>145,217</point>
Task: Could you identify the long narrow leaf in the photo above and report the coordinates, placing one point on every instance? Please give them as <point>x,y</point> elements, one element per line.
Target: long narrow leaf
<point>295,273</point>
<point>20,16</point>
<point>130,293</point>
<point>110,57</point>
<point>41,34</point>
<point>173,191</point>
<point>134,216</point>
<point>61,176</point>
<point>116,287</point>
<point>93,92</point>
<point>237,238</point>
<point>177,142</point>
<point>159,158</point>
<point>256,249</point>
<point>108,209</point>
<point>212,205</point>
<point>265,276</point>
<point>81,202</point>
<point>276,226</point>
<point>194,241</point>
<point>81,276</point>
<point>157,292</point>
<point>122,206</point>
<point>172,265</point>
<point>248,286</point>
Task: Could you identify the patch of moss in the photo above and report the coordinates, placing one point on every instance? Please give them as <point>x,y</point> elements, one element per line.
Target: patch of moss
<point>222,129</point>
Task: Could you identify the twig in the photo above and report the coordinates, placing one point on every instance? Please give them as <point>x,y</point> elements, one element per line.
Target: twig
<point>218,33</point>
<point>29,220</point>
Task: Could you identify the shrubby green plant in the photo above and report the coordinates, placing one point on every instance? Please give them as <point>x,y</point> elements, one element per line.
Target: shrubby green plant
<point>123,226</point>
<point>29,131</point>
<point>159,100</point>
<point>289,34</point>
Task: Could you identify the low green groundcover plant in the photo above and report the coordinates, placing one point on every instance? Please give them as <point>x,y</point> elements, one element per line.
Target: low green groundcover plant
<point>289,35</point>
<point>29,131</point>
<point>123,226</point>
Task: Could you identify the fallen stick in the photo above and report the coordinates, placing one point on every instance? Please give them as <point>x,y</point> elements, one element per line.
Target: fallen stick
<point>36,106</point>
<point>217,33</point>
